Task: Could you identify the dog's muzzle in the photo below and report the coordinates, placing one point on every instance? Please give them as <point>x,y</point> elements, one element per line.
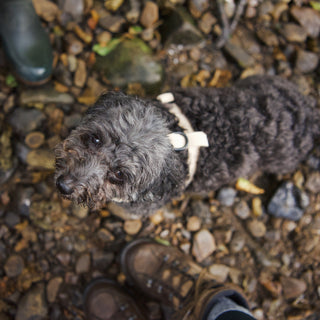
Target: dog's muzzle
<point>65,185</point>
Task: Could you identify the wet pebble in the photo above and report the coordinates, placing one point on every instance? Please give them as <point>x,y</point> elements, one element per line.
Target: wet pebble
<point>71,10</point>
<point>237,242</point>
<point>113,5</point>
<point>53,287</point>
<point>83,263</point>
<point>294,33</point>
<point>45,95</point>
<point>132,61</point>
<point>292,287</point>
<point>242,210</point>
<point>285,203</point>
<point>80,211</point>
<point>73,45</point>
<point>102,260</point>
<point>80,75</point>
<point>239,55</point>
<point>13,266</point>
<point>25,120</point>
<point>46,9</point>
<point>194,223</point>
<point>64,258</point>
<point>306,61</point>
<point>219,272</point>
<point>105,235</point>
<point>308,18</point>
<point>197,7</point>
<point>313,182</point>
<point>267,36</point>
<point>206,23</point>
<point>132,227</point>
<point>203,245</point>
<point>226,196</point>
<point>112,23</point>
<point>33,304</point>
<point>150,14</point>
<point>72,121</point>
<point>11,219</point>
<point>257,228</point>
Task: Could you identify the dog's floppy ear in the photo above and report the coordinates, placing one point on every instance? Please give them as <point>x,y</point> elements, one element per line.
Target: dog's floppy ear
<point>169,184</point>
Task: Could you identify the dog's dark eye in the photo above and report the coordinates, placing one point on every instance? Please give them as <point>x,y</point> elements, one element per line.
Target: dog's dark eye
<point>92,139</point>
<point>95,139</point>
<point>117,177</point>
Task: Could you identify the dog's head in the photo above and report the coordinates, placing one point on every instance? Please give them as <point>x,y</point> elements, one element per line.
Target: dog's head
<point>120,152</point>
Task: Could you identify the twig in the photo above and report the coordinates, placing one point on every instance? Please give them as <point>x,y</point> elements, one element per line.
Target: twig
<point>228,29</point>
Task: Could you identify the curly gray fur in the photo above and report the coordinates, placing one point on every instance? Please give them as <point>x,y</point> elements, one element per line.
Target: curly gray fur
<point>120,151</point>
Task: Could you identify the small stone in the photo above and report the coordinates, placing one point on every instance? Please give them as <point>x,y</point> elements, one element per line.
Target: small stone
<point>195,54</point>
<point>112,23</point>
<point>219,272</point>
<point>257,207</point>
<point>46,9</point>
<point>80,211</point>
<point>194,223</point>
<point>72,121</point>
<point>132,61</point>
<point>242,210</point>
<point>286,202</point>
<point>206,23</point>
<point>157,217</point>
<point>80,75</point>
<point>178,29</point>
<point>105,235</point>
<point>102,260</point>
<point>257,228</point>
<point>240,55</point>
<point>64,258</point>
<point>292,288</point>
<point>268,37</point>
<point>33,304</point>
<point>113,5</point>
<point>226,196</point>
<point>13,266</point>
<point>73,45</point>
<point>83,263</point>
<point>306,61</point>
<point>308,18</point>
<point>35,139</point>
<point>53,288</point>
<point>72,10</point>
<point>313,182</point>
<point>294,33</point>
<point>150,14</point>
<point>41,158</point>
<point>26,120</point>
<point>44,95</point>
<point>132,227</point>
<point>197,7</point>
<point>104,37</point>
<point>203,245</point>
<point>11,219</point>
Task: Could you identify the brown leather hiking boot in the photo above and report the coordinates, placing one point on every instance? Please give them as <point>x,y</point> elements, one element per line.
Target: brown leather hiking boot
<point>105,300</point>
<point>166,274</point>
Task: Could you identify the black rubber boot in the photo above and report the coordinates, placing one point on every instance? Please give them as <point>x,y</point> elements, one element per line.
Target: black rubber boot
<point>24,41</point>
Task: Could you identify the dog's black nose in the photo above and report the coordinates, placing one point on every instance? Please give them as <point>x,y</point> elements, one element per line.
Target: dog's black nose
<point>63,186</point>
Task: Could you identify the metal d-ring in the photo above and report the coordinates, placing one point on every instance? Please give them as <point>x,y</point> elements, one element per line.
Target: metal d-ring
<point>186,139</point>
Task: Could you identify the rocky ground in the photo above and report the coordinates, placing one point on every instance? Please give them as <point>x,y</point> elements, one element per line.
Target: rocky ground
<point>50,249</point>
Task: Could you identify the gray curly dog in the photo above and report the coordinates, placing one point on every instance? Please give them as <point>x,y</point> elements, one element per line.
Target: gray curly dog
<point>141,153</point>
